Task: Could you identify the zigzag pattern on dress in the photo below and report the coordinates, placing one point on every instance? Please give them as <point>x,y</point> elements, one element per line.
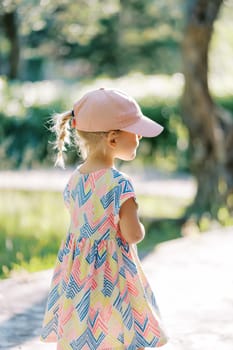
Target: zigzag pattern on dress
<point>87,338</point>
<point>99,298</point>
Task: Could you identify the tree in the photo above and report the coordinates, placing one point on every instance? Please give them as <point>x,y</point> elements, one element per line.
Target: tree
<point>210,127</point>
<point>10,25</point>
<point>113,37</point>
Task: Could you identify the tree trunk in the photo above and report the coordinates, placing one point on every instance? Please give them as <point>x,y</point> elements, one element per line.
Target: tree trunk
<point>11,29</point>
<point>210,128</point>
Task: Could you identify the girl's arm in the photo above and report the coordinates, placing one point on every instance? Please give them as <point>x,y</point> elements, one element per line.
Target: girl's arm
<point>131,228</point>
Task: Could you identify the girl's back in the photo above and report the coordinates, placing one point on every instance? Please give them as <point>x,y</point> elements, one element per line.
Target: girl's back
<point>94,201</point>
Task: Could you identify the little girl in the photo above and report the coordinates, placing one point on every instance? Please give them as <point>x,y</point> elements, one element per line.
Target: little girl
<point>99,296</point>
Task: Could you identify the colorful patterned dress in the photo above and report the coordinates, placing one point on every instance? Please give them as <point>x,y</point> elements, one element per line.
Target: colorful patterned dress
<point>99,296</point>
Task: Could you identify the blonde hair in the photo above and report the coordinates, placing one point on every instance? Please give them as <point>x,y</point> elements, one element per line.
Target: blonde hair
<point>60,126</point>
<point>86,141</point>
<point>66,136</point>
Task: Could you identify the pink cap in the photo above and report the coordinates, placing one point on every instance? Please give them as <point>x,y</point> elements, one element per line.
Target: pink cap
<point>106,109</point>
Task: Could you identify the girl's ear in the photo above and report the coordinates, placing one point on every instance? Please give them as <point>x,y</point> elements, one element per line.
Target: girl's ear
<point>112,138</point>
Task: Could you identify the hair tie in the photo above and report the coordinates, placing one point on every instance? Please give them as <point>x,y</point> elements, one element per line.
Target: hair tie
<point>73,120</point>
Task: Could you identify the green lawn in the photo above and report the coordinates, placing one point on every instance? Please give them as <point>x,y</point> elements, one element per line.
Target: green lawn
<point>32,225</point>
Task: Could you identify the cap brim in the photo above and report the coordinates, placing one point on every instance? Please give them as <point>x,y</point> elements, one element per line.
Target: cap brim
<point>145,127</point>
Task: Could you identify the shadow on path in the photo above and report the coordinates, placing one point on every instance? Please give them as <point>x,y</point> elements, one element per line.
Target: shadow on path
<point>22,327</point>
<point>22,304</point>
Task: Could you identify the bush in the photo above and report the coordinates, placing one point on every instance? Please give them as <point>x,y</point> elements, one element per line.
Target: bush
<point>24,115</point>
<point>27,141</point>
<point>170,149</point>
<point>25,110</point>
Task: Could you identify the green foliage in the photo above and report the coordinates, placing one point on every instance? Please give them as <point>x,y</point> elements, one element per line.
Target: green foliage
<point>25,140</point>
<point>226,102</point>
<point>171,147</point>
<point>113,38</point>
<point>31,230</point>
<point>24,115</point>
<point>80,39</point>
<point>25,110</point>
<point>158,232</point>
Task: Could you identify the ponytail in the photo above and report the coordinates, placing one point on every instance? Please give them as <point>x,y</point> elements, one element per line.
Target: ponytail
<point>60,125</point>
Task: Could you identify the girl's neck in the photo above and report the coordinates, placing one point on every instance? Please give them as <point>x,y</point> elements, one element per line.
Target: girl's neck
<point>93,163</point>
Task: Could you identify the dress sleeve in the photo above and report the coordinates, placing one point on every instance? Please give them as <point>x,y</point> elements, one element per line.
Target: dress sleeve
<point>126,191</point>
<point>66,195</point>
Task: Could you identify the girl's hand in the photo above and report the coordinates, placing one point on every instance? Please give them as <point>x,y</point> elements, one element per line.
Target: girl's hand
<point>131,228</point>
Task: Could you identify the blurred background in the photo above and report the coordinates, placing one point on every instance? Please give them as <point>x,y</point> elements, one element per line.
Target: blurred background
<point>175,58</point>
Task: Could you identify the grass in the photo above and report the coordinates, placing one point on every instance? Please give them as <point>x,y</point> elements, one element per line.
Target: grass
<point>161,217</point>
<point>33,223</point>
<point>31,227</point>
<point>161,207</point>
